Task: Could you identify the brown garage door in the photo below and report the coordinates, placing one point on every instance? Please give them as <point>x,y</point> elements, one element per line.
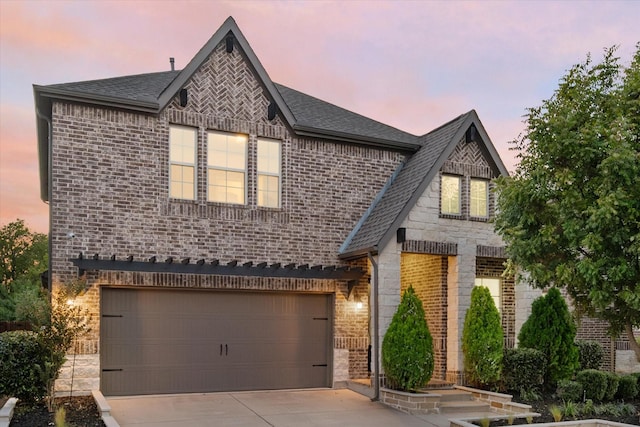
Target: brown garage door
<point>166,341</point>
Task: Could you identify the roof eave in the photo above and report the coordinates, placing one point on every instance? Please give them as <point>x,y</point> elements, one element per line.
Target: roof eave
<point>95,99</point>
<point>355,139</point>
<point>358,253</point>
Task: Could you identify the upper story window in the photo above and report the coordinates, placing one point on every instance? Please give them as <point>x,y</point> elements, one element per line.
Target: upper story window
<point>226,167</point>
<point>450,194</point>
<point>269,173</point>
<point>479,198</point>
<point>182,162</point>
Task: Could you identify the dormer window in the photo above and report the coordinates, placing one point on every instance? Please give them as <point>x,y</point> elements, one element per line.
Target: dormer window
<point>450,195</point>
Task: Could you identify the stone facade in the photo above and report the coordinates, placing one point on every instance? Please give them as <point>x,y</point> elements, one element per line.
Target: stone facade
<point>444,254</point>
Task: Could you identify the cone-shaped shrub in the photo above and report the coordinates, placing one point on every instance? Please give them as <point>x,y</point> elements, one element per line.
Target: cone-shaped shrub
<point>407,347</point>
<point>482,339</point>
<point>551,330</point>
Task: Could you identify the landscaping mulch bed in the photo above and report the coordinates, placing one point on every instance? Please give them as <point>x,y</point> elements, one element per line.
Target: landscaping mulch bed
<point>81,411</point>
<point>543,408</point>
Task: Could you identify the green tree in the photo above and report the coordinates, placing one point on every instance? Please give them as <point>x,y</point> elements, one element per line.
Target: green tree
<point>22,253</point>
<point>570,215</point>
<point>482,339</point>
<point>407,347</point>
<point>551,329</point>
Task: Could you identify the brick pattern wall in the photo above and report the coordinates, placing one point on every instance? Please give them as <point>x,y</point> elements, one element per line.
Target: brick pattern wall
<point>110,188</point>
<point>590,329</point>
<point>494,267</point>
<point>428,276</point>
<point>467,161</point>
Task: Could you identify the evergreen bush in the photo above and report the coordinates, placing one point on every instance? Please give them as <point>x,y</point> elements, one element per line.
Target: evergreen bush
<point>523,369</point>
<point>570,390</point>
<point>482,339</point>
<point>612,386</point>
<point>407,347</point>
<point>627,388</point>
<point>551,329</point>
<point>23,364</point>
<point>591,354</point>
<point>594,383</point>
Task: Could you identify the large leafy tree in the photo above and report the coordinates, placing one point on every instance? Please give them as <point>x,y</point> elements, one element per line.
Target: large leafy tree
<point>22,253</point>
<point>570,215</point>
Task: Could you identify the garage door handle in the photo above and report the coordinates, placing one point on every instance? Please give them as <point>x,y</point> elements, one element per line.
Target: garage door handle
<point>324,364</point>
<point>226,350</point>
<point>220,349</point>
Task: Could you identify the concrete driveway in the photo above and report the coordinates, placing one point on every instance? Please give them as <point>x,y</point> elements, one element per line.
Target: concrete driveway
<point>318,407</point>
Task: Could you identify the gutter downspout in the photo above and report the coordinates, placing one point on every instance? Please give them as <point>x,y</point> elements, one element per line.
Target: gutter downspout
<point>376,334</point>
<point>49,196</point>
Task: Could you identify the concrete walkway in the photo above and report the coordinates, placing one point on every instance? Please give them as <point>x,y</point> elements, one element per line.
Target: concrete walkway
<point>317,407</point>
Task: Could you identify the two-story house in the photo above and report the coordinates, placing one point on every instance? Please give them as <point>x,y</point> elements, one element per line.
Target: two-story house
<point>236,234</point>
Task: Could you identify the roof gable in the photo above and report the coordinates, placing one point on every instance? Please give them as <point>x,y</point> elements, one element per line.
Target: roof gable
<point>401,193</point>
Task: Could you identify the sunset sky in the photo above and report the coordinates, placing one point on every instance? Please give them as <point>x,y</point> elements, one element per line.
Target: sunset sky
<point>410,64</point>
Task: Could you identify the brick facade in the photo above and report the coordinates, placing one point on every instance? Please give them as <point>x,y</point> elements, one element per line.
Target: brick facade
<point>110,188</point>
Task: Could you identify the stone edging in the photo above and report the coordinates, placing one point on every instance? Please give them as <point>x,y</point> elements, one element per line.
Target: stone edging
<point>6,412</point>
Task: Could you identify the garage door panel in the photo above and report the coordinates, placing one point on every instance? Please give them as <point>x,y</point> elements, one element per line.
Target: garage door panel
<point>156,341</point>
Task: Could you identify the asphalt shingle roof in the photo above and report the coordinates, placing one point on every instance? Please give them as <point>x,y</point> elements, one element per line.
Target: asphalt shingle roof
<point>140,87</point>
<point>311,112</point>
<point>400,192</point>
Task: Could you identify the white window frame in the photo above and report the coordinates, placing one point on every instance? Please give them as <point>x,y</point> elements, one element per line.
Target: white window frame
<point>483,281</point>
<point>182,163</point>
<point>444,207</point>
<point>263,172</point>
<point>227,169</point>
<point>474,198</point>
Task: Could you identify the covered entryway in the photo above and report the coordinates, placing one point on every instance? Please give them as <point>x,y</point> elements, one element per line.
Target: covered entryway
<point>177,341</point>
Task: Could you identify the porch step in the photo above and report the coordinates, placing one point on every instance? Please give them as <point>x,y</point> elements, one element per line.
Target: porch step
<point>463,407</point>
<point>454,395</point>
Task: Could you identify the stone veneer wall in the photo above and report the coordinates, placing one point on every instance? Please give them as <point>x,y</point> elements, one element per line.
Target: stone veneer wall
<point>428,276</point>
<point>110,188</point>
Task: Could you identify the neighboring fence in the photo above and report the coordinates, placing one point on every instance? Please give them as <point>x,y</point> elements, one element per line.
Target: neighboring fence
<point>14,326</point>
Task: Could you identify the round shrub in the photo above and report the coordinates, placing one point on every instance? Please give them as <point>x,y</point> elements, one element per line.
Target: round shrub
<point>482,339</point>
<point>627,388</point>
<point>523,369</point>
<point>407,347</point>
<point>591,354</point>
<point>570,390</point>
<point>612,386</point>
<point>594,383</point>
<point>23,366</point>
<point>551,330</point>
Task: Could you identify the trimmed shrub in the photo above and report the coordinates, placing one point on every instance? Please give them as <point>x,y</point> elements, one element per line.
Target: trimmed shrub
<point>551,329</point>
<point>407,347</point>
<point>594,383</point>
<point>591,354</point>
<point>570,390</point>
<point>612,386</point>
<point>523,369</point>
<point>24,365</point>
<point>627,388</point>
<point>482,339</point>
